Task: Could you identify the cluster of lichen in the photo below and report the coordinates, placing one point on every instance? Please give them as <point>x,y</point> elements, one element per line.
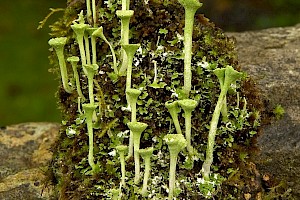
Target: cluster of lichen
<point>168,66</point>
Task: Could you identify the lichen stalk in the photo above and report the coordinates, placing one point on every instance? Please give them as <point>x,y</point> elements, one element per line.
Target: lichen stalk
<point>137,128</point>
<point>87,49</point>
<point>79,29</point>
<point>146,155</point>
<point>124,4</point>
<point>146,176</point>
<point>172,174</point>
<point>211,137</point>
<point>74,60</point>
<point>132,96</point>
<point>94,50</point>
<point>90,71</point>
<point>225,76</point>
<point>121,149</point>
<point>88,11</point>
<point>125,16</point>
<point>130,50</point>
<point>99,33</point>
<point>89,110</point>
<point>93,44</point>
<point>224,111</point>
<point>94,13</point>
<point>82,50</point>
<point>58,45</point>
<point>190,6</point>
<point>174,110</point>
<point>175,142</point>
<point>188,105</point>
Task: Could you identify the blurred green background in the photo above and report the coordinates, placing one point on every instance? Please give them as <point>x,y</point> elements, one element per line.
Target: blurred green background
<point>27,88</point>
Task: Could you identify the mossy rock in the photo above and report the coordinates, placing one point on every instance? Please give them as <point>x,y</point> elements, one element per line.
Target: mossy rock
<point>158,26</point>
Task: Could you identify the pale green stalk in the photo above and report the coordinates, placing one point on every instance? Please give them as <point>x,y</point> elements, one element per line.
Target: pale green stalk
<point>224,111</point>
<point>125,16</point>
<point>74,60</point>
<point>132,97</point>
<point>172,174</point>
<point>58,45</point>
<point>94,12</point>
<point>174,110</point>
<point>124,4</point>
<point>188,105</point>
<point>89,110</point>
<point>226,76</point>
<point>90,71</point>
<point>146,155</point>
<point>94,50</point>
<point>175,142</point>
<point>220,73</point>
<point>130,50</point>
<point>79,105</point>
<point>190,6</point>
<point>121,149</point>
<point>79,29</point>
<point>87,49</point>
<point>88,11</point>
<point>211,137</point>
<point>93,44</point>
<point>137,128</point>
<point>99,33</point>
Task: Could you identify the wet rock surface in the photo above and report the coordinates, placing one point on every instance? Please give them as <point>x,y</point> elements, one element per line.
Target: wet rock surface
<point>271,56</point>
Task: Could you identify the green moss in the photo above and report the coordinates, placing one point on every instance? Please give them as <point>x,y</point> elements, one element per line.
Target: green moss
<point>158,27</point>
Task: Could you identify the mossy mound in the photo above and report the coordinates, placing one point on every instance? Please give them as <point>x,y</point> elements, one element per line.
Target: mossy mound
<point>158,26</point>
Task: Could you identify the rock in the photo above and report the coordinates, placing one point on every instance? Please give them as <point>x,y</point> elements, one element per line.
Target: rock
<point>272,57</point>
<point>24,150</point>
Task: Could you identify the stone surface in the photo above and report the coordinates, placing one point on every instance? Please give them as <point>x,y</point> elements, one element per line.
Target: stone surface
<point>24,151</point>
<point>272,57</point>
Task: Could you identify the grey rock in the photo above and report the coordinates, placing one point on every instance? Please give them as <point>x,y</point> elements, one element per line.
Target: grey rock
<point>24,151</point>
<point>272,57</point>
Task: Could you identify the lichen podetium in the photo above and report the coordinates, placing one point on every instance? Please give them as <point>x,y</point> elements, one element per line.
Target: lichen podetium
<point>109,119</point>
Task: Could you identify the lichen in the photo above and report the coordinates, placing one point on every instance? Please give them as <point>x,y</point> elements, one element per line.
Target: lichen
<point>158,27</point>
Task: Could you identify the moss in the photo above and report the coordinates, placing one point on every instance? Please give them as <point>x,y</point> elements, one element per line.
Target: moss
<point>156,22</point>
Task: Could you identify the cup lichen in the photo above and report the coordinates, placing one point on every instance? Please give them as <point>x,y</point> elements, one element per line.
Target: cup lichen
<point>190,7</point>
<point>125,16</point>
<point>79,28</point>
<point>227,76</point>
<point>188,105</point>
<point>88,112</point>
<point>175,142</point>
<point>58,45</point>
<point>174,110</point>
<point>74,60</point>
<point>132,97</point>
<point>154,40</point>
<point>146,155</point>
<point>99,33</point>
<point>122,149</point>
<point>136,128</point>
<point>130,50</point>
